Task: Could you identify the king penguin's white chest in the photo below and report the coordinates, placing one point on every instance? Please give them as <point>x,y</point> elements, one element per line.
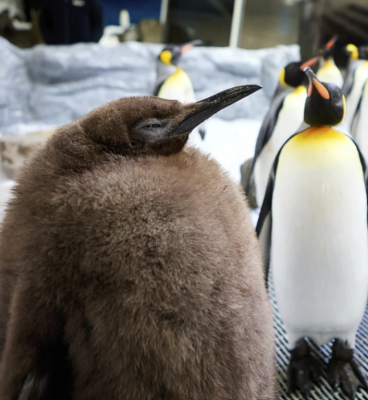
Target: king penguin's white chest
<point>178,87</point>
<point>360,127</point>
<point>319,252</point>
<point>352,99</point>
<point>329,73</point>
<point>288,122</point>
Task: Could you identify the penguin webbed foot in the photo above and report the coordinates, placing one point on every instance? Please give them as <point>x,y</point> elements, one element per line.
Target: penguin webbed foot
<point>303,369</point>
<point>344,371</point>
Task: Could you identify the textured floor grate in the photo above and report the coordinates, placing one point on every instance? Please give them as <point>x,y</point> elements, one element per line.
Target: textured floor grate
<point>321,390</point>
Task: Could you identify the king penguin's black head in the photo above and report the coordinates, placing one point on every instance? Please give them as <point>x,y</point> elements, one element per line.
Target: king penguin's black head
<point>325,104</point>
<point>293,75</point>
<point>140,126</point>
<point>171,54</point>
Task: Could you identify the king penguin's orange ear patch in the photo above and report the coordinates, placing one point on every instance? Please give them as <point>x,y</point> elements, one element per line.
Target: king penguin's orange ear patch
<point>321,89</point>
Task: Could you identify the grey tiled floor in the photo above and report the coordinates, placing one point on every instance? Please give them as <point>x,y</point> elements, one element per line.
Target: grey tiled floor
<point>323,389</point>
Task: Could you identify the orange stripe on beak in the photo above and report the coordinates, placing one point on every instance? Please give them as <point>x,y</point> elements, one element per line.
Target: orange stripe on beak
<point>186,48</point>
<point>321,89</point>
<point>330,43</point>
<point>309,63</point>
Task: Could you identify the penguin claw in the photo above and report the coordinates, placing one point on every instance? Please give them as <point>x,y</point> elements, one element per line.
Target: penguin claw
<point>344,371</point>
<point>303,369</point>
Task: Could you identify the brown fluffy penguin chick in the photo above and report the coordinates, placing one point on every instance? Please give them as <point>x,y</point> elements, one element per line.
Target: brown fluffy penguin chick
<point>137,256</point>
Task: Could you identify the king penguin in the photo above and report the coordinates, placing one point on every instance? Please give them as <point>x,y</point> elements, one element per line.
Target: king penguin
<point>328,71</point>
<point>172,82</point>
<point>356,77</point>
<point>130,258</point>
<point>360,122</point>
<point>282,120</point>
<point>313,224</point>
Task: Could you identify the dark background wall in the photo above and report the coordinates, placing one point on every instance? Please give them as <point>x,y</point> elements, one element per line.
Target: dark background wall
<point>138,9</point>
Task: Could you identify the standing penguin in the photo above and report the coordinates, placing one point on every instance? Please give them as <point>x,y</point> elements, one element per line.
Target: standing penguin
<point>319,252</point>
<point>282,120</point>
<point>355,78</point>
<point>360,122</point>
<point>172,82</point>
<point>136,256</point>
<point>328,71</point>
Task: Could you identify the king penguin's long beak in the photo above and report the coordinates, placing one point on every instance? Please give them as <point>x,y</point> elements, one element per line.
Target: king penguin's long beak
<point>202,110</point>
<point>187,46</point>
<point>309,63</point>
<point>331,42</point>
<point>315,83</point>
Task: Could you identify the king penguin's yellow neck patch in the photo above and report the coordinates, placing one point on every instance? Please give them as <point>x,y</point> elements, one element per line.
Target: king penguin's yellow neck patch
<point>329,63</point>
<point>300,90</point>
<point>282,78</point>
<point>320,146</point>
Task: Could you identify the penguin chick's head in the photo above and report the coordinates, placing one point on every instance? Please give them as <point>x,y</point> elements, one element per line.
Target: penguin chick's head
<point>171,54</point>
<point>325,104</point>
<point>140,126</point>
<point>293,75</point>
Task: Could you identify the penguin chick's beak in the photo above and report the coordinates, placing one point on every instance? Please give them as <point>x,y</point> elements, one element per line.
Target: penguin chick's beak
<point>204,109</point>
<point>315,83</point>
<point>187,46</point>
<point>309,63</point>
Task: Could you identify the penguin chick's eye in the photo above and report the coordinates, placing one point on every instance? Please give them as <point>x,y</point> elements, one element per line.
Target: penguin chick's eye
<point>150,130</point>
<point>150,126</point>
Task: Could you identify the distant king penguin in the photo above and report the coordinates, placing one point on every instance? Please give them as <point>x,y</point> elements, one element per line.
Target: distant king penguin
<point>356,76</point>
<point>315,215</point>
<point>282,120</point>
<point>328,71</point>
<point>172,82</point>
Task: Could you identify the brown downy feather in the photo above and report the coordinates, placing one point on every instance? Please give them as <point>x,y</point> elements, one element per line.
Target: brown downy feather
<point>136,268</point>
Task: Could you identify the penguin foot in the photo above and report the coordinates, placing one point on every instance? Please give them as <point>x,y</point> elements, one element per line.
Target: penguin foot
<point>303,369</point>
<point>344,371</point>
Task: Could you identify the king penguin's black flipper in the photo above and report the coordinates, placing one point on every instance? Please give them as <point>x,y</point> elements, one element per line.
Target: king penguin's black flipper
<point>202,131</point>
<point>349,78</point>
<point>267,128</point>
<point>364,166</point>
<point>264,223</point>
